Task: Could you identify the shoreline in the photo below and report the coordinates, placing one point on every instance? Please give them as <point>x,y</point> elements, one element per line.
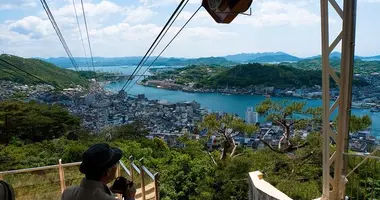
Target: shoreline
<point>219,91</point>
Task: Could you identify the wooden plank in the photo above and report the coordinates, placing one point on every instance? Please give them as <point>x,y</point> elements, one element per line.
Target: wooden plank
<point>148,187</point>
<point>38,168</point>
<point>61,176</point>
<point>149,196</point>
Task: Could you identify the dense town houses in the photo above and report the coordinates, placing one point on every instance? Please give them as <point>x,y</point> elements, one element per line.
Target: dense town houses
<point>100,109</point>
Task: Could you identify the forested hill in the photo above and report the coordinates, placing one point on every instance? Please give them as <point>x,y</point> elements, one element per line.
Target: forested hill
<point>244,75</point>
<point>360,66</point>
<point>41,69</point>
<point>279,76</point>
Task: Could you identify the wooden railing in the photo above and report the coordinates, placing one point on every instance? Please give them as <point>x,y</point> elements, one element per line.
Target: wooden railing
<point>151,190</point>
<point>259,189</point>
<point>147,182</point>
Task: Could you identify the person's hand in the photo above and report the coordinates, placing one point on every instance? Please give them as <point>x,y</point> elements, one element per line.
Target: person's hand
<point>130,192</point>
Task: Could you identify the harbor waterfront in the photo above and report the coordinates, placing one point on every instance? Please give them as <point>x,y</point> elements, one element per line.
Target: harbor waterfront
<point>236,104</point>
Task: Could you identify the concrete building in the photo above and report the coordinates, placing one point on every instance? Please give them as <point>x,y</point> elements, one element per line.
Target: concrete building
<point>251,116</point>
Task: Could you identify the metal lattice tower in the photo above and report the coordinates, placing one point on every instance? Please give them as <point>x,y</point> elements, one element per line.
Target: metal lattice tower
<point>334,163</point>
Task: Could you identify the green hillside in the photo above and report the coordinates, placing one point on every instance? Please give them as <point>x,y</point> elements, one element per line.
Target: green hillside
<point>360,66</point>
<point>270,75</point>
<point>41,69</point>
<point>245,75</point>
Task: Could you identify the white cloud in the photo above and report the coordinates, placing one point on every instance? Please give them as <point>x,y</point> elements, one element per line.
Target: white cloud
<point>275,13</point>
<point>206,33</point>
<point>158,3</point>
<point>31,26</point>
<point>103,8</point>
<point>138,15</point>
<point>11,4</point>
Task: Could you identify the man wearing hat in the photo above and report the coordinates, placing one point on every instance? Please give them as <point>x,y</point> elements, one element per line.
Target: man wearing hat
<point>99,164</point>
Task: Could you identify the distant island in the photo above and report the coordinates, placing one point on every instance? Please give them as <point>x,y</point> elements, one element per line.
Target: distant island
<point>252,78</point>
<point>229,60</point>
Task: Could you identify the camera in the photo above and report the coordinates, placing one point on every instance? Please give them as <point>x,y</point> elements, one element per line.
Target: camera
<point>120,185</point>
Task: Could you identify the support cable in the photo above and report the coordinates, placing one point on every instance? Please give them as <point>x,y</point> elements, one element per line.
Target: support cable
<point>5,71</point>
<point>167,45</point>
<point>88,37</point>
<point>150,48</point>
<point>60,36</point>
<point>154,48</point>
<point>34,76</point>
<point>58,32</point>
<point>81,36</point>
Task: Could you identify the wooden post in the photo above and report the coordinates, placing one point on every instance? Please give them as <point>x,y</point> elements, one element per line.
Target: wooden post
<point>61,175</point>
<point>156,189</point>
<point>117,174</point>
<point>131,168</point>
<point>142,175</point>
<point>1,177</point>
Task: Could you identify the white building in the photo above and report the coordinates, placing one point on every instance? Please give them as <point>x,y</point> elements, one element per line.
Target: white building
<point>251,116</point>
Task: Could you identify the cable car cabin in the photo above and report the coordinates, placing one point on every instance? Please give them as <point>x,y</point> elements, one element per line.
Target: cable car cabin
<point>224,11</point>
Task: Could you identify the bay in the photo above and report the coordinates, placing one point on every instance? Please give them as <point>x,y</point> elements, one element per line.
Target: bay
<point>236,104</point>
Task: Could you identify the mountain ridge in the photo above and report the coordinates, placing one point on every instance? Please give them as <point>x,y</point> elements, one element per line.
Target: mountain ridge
<point>261,57</point>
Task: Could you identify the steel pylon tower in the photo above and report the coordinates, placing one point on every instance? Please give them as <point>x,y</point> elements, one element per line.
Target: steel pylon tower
<point>334,163</point>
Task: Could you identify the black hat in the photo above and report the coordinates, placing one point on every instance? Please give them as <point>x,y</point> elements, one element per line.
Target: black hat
<point>99,157</point>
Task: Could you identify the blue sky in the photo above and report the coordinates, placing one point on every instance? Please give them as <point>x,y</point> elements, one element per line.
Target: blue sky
<point>127,27</point>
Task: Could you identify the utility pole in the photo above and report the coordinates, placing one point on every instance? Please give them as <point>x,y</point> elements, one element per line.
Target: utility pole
<point>334,163</point>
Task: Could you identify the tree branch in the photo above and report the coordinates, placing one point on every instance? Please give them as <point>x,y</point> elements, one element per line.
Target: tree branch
<point>292,148</point>
<point>233,150</point>
<point>296,121</point>
<point>212,158</point>
<point>238,155</point>
<point>270,146</point>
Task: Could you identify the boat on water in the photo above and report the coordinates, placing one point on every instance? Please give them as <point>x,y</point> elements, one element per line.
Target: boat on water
<point>375,110</point>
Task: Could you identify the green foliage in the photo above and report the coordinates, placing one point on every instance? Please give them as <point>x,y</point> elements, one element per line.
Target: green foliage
<point>127,131</point>
<point>34,122</point>
<point>356,123</point>
<point>278,76</point>
<point>46,71</point>
<point>360,66</point>
<point>185,173</point>
<point>286,114</point>
<point>359,123</point>
<point>223,127</point>
<point>215,124</point>
<point>190,74</point>
<point>245,75</point>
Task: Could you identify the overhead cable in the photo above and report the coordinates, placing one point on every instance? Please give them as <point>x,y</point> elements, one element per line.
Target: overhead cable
<point>154,48</point>
<point>58,32</point>
<point>6,72</point>
<point>81,36</point>
<point>167,46</point>
<point>60,36</point>
<point>153,44</point>
<point>88,37</point>
<point>43,81</point>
